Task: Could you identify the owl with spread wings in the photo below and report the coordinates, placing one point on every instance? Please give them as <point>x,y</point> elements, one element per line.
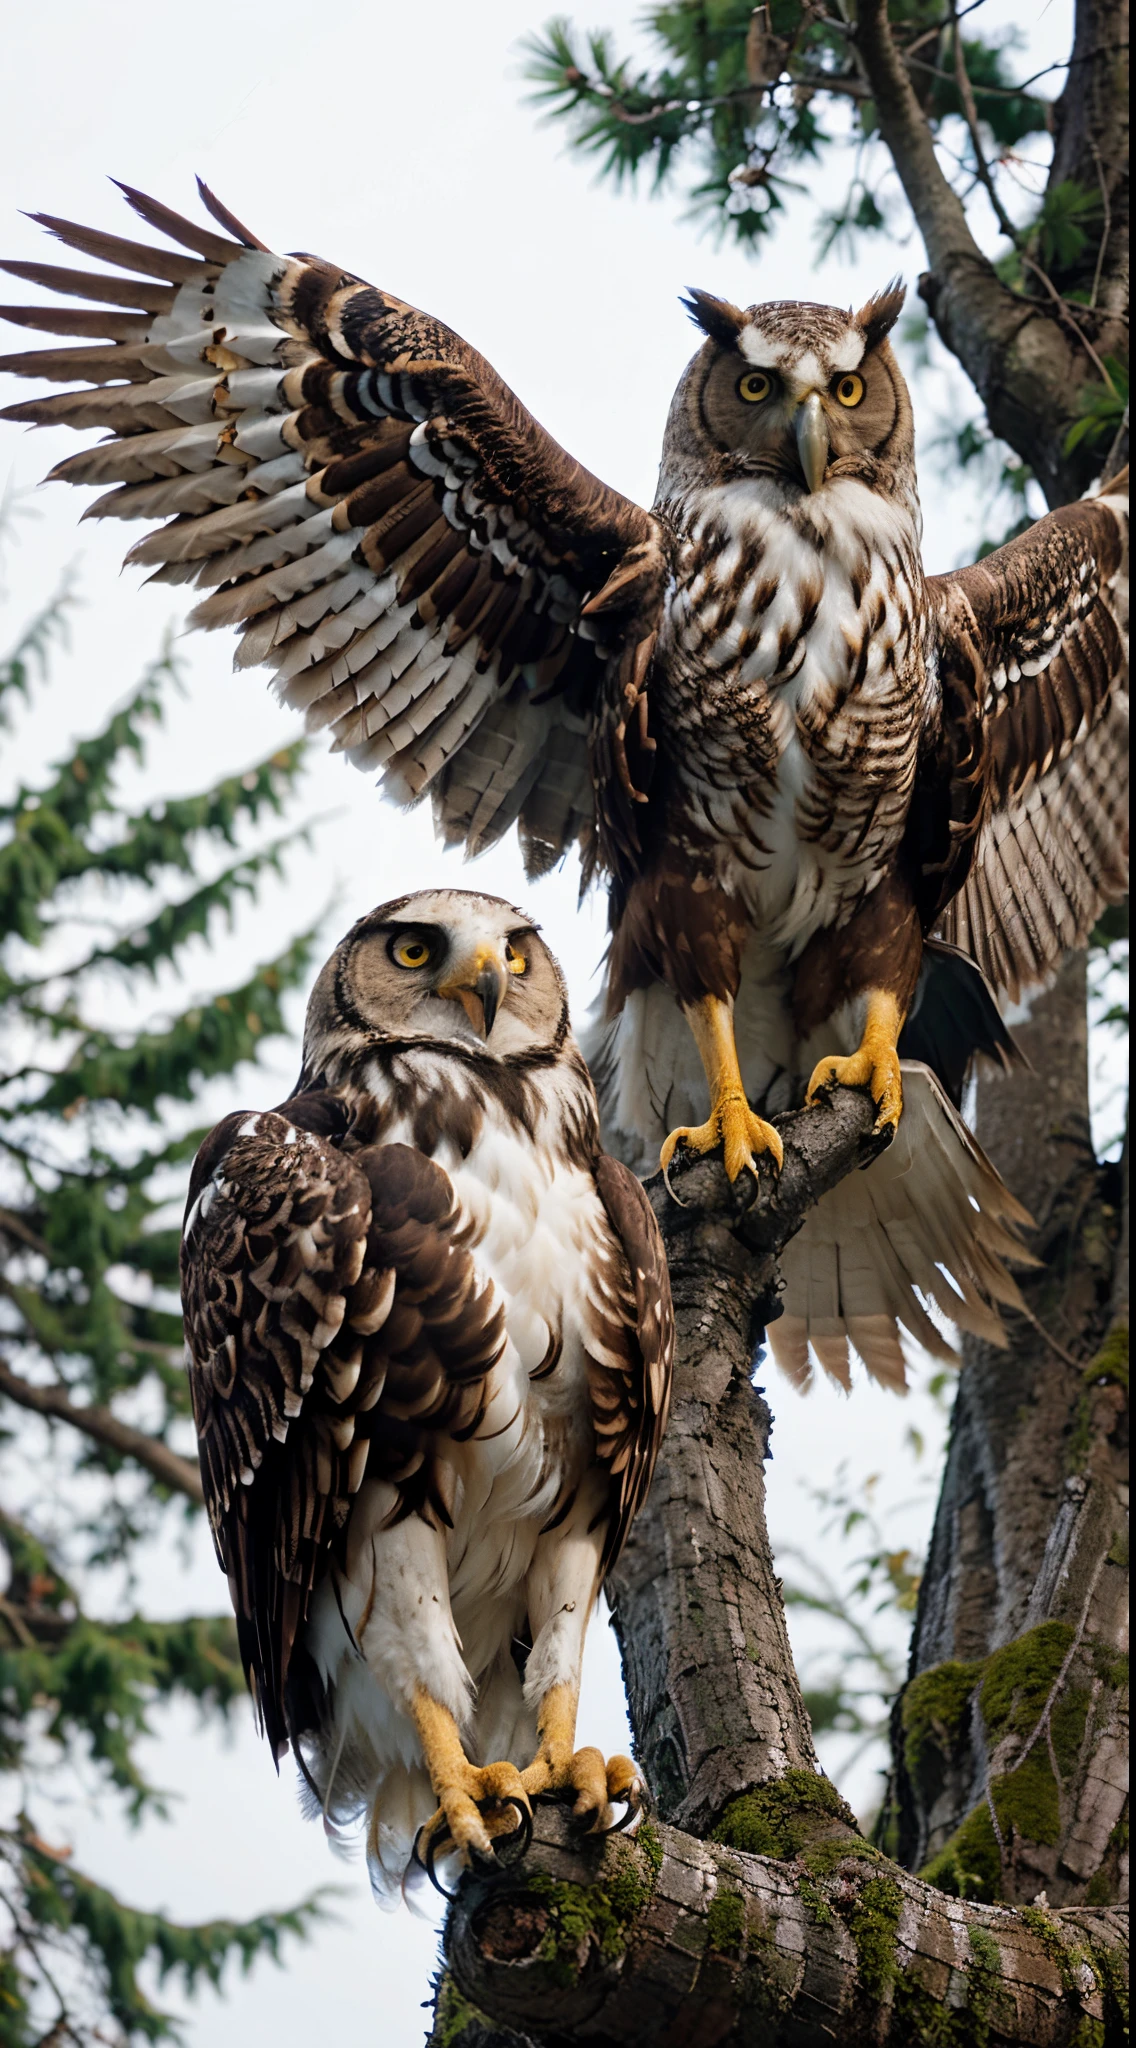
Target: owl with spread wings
<point>837,804</point>
<point>430,1337</point>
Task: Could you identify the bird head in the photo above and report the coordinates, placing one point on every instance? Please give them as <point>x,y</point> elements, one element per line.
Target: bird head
<point>800,392</point>
<point>443,966</point>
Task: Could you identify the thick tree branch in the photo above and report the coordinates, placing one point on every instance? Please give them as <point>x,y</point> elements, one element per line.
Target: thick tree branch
<point>627,1944</point>
<point>1027,358</point>
<point>715,1700</point>
<point>904,127</point>
<point>178,1473</point>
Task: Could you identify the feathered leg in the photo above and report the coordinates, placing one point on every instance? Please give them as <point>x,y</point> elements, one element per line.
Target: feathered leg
<point>410,1644</point>
<point>563,1585</point>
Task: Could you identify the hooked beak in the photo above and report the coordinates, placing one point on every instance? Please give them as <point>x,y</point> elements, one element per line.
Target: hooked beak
<point>811,429</point>
<point>478,983</point>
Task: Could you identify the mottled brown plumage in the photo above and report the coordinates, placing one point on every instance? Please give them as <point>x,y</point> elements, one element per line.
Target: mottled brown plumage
<point>793,756</point>
<point>429,1335</point>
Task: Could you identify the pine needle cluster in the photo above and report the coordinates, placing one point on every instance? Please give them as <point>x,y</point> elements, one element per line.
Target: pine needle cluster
<point>94,1154</point>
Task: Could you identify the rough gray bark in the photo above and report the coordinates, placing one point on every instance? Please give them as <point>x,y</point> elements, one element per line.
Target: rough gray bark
<point>733,1948</point>
<point>763,1918</point>
<point>784,1926</point>
<point>1027,1577</point>
<point>1027,357</point>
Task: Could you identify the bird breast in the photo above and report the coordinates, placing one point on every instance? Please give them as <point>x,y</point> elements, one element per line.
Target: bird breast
<point>792,673</point>
<point>536,1229</point>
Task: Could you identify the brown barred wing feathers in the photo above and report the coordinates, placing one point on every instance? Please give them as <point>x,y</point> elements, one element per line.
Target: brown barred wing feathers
<point>274,1292</point>
<point>361,496</point>
<point>441,1339</point>
<point>1033,653</point>
<point>631,1359</point>
<point>336,1330</point>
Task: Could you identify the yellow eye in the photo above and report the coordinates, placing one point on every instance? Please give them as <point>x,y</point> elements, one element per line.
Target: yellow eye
<point>850,389</point>
<point>411,953</point>
<point>754,386</point>
<point>514,961</point>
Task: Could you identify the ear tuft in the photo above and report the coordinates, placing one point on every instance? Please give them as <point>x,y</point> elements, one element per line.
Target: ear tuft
<point>880,314</point>
<point>716,317</point>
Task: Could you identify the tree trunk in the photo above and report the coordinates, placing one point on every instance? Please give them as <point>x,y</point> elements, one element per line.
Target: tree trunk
<point>1011,1733</point>
<point>752,1912</point>
<point>766,1918</point>
<point>1029,358</point>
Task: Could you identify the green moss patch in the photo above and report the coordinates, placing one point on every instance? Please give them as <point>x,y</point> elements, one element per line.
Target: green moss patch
<point>783,1817</point>
<point>725,1922</point>
<point>456,2015</point>
<point>1108,1368</point>
<point>587,1920</point>
<point>1012,1687</point>
<point>934,1710</point>
<point>873,1923</point>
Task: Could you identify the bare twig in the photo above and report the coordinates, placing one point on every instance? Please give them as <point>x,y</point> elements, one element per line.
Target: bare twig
<point>1055,1690</point>
<point>105,1428</point>
<point>16,1227</point>
<point>1073,325</point>
<point>1059,1351</point>
<point>970,116</point>
<point>1106,230</point>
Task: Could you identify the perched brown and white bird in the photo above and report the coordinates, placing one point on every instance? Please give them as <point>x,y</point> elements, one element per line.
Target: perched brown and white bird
<point>430,1337</point>
<point>825,789</point>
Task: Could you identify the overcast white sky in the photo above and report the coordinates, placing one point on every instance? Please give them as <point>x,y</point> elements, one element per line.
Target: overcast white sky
<point>394,139</point>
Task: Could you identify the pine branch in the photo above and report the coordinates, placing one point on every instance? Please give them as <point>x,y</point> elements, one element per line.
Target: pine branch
<point>54,1402</point>
<point>212,1038</point>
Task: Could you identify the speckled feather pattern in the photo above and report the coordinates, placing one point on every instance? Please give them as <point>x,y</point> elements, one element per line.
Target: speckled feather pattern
<point>788,753</point>
<point>430,1347</point>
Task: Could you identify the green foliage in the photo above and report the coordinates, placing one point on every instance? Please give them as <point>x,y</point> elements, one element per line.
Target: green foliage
<point>1102,406</point>
<point>735,100</point>
<point>62,1913</point>
<point>1067,214</point>
<point>89,1162</point>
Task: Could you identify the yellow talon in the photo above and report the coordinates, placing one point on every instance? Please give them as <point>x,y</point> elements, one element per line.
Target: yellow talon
<point>742,1134</point>
<point>732,1124</point>
<point>875,1065</point>
<point>463,1789</point>
<point>559,1767</point>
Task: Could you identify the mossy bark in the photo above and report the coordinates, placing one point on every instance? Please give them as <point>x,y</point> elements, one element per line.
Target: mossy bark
<point>766,1919</point>
<point>727,1949</point>
<point>1011,1735</point>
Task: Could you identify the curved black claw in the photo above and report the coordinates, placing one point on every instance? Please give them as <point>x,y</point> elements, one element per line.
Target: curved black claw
<point>433,1846</point>
<point>511,1849</point>
<point>644,1806</point>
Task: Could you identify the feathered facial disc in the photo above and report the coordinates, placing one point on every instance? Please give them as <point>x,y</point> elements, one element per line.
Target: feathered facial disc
<point>446,966</point>
<point>799,391</point>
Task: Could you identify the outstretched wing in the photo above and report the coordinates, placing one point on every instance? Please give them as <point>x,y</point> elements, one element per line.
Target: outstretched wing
<point>1031,766</point>
<point>375,511</point>
<point>335,1328</point>
<point>631,1358</point>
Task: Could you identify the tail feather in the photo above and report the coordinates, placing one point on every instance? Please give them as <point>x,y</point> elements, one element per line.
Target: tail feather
<point>954,1017</point>
<point>882,1246</point>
